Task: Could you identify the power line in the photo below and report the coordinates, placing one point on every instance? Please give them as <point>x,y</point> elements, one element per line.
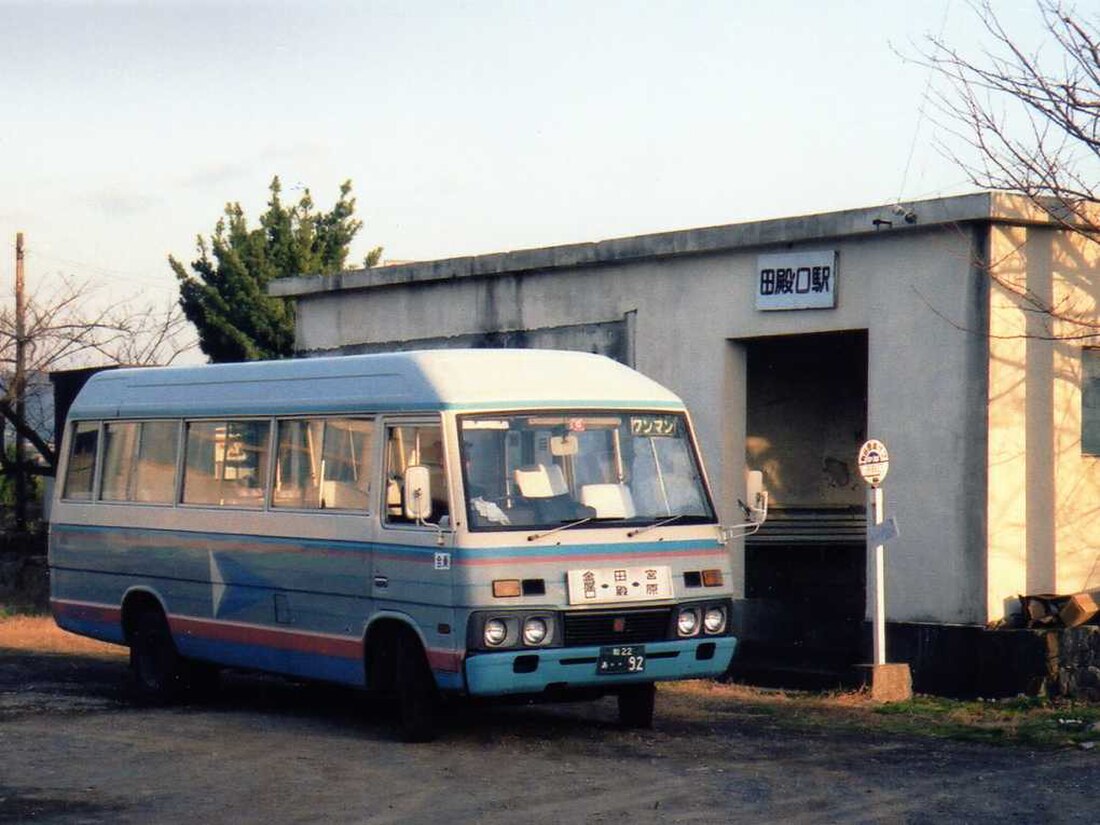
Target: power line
<point>102,270</point>
<point>920,112</point>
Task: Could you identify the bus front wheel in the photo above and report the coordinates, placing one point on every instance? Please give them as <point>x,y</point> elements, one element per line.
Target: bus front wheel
<point>636,705</point>
<point>418,699</point>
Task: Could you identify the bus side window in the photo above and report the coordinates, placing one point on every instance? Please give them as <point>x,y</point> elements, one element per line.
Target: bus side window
<point>298,464</point>
<point>80,475</point>
<point>409,446</point>
<point>139,461</point>
<point>155,462</point>
<point>324,463</point>
<point>226,463</point>
<point>119,445</point>
<point>346,458</point>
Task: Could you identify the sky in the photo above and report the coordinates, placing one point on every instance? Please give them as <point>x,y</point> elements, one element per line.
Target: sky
<point>466,127</point>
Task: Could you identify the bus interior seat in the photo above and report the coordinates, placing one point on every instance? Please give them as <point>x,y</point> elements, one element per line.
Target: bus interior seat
<point>340,495</point>
<point>609,500</point>
<point>540,481</point>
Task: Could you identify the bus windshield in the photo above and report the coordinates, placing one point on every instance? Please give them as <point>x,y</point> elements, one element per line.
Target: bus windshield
<point>545,469</point>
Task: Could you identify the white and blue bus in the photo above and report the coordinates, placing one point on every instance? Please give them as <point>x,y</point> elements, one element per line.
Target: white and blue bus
<point>424,524</point>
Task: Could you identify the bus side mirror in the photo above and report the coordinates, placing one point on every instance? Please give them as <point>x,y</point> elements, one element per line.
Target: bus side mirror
<point>418,493</point>
<point>757,509</point>
<point>755,512</point>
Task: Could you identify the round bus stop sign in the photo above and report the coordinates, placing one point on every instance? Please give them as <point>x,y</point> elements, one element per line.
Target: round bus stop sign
<point>874,462</point>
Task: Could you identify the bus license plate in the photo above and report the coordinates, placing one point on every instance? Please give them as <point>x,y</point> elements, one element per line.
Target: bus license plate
<point>621,659</point>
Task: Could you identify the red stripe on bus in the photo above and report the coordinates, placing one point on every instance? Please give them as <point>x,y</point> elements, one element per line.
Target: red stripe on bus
<point>298,641</point>
<point>86,611</point>
<point>449,660</point>
<point>268,637</point>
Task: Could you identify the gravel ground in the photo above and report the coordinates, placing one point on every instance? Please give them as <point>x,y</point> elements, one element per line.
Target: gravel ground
<point>76,749</point>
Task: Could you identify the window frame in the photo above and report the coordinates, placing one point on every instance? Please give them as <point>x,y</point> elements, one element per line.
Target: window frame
<point>268,477</point>
<point>691,443</point>
<point>368,510</point>
<point>1090,391</point>
<point>177,477</point>
<point>386,423</point>
<point>93,496</point>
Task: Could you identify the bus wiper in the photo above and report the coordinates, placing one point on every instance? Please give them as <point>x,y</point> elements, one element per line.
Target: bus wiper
<point>638,531</point>
<point>537,536</point>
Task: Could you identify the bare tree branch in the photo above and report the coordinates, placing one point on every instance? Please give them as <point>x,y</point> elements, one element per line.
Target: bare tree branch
<point>67,326</point>
<point>1030,121</point>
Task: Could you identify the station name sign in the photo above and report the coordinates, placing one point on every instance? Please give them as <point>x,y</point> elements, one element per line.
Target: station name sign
<point>796,280</point>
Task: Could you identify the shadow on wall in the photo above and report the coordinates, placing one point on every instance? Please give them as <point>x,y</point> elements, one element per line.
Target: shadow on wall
<point>1044,485</point>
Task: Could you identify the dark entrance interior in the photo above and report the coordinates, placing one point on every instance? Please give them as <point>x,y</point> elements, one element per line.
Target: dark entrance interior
<point>805,571</point>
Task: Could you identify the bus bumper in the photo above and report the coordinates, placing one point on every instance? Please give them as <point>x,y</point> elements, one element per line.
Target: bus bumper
<point>533,671</point>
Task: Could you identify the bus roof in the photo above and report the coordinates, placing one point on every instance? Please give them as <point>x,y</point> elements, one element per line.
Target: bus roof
<point>426,380</point>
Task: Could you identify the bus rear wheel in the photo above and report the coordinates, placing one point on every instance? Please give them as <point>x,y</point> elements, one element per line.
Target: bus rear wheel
<point>159,672</point>
<point>636,705</point>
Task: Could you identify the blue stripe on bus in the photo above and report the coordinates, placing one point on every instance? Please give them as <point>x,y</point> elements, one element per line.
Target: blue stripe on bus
<point>201,535</point>
<point>263,657</point>
<point>338,669</point>
<point>106,631</point>
<point>534,550</point>
<point>425,554</point>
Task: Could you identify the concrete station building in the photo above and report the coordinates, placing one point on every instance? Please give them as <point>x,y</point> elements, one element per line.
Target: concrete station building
<point>794,340</point>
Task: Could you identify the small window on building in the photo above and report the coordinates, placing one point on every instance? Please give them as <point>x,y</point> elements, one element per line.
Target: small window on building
<point>1090,401</point>
<point>226,463</point>
<point>80,475</point>
<point>139,461</point>
<point>411,446</point>
<point>324,464</point>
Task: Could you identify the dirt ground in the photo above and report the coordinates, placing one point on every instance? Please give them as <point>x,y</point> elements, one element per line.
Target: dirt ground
<point>74,748</point>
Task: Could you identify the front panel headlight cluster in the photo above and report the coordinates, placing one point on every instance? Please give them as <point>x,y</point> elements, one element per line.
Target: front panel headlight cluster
<point>507,631</point>
<point>702,620</point>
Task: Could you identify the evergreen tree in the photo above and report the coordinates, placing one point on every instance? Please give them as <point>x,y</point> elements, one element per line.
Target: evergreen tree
<point>225,297</point>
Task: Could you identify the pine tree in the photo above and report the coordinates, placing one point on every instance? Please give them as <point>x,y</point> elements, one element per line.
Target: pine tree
<point>225,295</point>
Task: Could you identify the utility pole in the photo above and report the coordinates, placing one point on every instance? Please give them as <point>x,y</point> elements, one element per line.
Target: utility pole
<point>19,386</point>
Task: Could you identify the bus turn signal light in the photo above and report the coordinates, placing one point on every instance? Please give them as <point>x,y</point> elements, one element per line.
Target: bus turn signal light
<point>507,588</point>
<point>712,578</point>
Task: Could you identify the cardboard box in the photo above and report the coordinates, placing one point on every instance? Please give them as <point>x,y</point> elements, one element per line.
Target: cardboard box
<point>1078,610</point>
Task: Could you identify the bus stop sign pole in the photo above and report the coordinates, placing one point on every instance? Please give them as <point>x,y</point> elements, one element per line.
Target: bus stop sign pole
<point>889,682</point>
<point>874,463</point>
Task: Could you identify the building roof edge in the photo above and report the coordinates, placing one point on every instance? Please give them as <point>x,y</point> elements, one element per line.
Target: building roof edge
<point>906,217</point>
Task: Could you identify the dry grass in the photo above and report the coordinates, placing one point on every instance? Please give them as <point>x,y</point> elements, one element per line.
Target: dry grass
<point>39,634</point>
<point>1031,721</point>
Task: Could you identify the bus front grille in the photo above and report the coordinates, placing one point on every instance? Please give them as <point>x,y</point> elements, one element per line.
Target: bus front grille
<point>608,627</point>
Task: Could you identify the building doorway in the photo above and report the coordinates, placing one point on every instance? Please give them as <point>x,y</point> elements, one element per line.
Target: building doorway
<point>805,571</point>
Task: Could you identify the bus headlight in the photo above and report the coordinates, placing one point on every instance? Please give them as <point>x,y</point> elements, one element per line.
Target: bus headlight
<point>496,632</point>
<point>687,622</point>
<point>534,631</point>
<point>714,620</point>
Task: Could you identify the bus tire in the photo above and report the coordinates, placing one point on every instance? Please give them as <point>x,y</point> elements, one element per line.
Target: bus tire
<point>636,705</point>
<point>159,672</point>
<point>417,696</point>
